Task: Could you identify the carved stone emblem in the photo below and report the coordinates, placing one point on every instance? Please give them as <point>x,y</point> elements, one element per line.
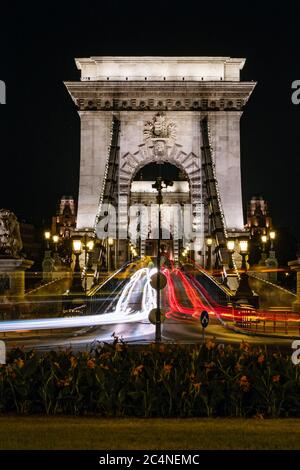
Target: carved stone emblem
<point>159,148</point>
<point>159,127</point>
<point>10,238</point>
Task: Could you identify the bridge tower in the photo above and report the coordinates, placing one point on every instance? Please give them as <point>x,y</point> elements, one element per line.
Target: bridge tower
<point>138,110</point>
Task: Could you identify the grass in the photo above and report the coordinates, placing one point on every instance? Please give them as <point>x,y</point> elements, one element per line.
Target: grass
<point>181,434</point>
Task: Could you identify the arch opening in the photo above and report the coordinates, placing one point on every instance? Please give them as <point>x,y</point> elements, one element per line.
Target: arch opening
<point>143,220</point>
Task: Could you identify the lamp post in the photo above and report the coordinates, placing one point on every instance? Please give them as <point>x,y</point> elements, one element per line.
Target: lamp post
<point>209,242</point>
<point>90,247</point>
<point>87,244</point>
<point>272,236</point>
<point>158,185</point>
<point>55,240</point>
<point>264,239</point>
<point>133,252</point>
<point>271,262</point>
<point>57,261</point>
<point>48,263</point>
<point>230,248</point>
<point>244,292</point>
<point>184,253</point>
<point>243,242</point>
<point>47,236</point>
<point>76,287</point>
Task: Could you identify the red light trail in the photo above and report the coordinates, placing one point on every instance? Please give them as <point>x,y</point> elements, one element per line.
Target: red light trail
<point>202,300</point>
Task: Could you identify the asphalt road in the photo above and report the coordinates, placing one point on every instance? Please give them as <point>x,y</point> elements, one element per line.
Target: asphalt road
<point>181,326</point>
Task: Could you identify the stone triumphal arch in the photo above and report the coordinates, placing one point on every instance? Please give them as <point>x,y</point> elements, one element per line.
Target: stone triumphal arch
<point>136,111</point>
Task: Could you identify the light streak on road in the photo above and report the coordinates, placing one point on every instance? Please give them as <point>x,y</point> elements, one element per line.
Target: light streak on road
<point>196,301</point>
<point>123,313</point>
<point>173,303</point>
<point>138,298</point>
<point>140,281</point>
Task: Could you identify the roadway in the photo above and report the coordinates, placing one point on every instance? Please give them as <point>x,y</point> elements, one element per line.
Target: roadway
<point>120,308</point>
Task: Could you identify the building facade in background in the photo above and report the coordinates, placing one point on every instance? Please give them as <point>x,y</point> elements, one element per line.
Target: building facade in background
<point>65,219</point>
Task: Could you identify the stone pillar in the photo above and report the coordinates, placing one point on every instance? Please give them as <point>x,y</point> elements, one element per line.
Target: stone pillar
<point>272,263</point>
<point>48,266</point>
<point>225,140</point>
<point>14,270</point>
<point>95,144</point>
<point>295,266</point>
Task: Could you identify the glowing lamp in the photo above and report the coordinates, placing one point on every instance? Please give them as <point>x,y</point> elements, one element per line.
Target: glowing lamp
<point>55,238</point>
<point>230,245</point>
<point>209,241</point>
<point>272,235</point>
<point>264,238</point>
<point>47,235</point>
<point>77,245</point>
<point>90,245</point>
<point>243,246</point>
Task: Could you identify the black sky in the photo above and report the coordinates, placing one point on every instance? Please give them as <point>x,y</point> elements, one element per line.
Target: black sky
<point>39,125</point>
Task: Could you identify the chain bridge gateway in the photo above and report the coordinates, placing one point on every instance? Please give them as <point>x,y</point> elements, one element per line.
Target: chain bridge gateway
<point>173,117</point>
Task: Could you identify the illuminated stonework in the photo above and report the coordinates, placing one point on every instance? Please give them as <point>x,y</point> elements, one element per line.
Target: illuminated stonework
<point>159,102</point>
<point>159,127</point>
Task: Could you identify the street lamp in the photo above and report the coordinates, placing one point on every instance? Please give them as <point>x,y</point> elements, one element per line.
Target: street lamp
<point>90,247</point>
<point>271,261</point>
<point>243,242</point>
<point>264,239</point>
<point>185,252</point>
<point>88,267</point>
<point>131,250</point>
<point>47,263</point>
<point>159,185</point>
<point>230,248</point>
<point>244,292</point>
<point>87,244</point>
<point>55,239</point>
<point>209,242</point>
<point>47,236</point>
<point>272,235</point>
<point>76,286</point>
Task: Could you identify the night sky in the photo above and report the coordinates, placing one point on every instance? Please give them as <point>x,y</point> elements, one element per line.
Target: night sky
<point>39,125</point>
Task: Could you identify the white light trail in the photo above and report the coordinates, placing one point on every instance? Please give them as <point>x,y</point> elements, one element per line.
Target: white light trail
<point>138,283</point>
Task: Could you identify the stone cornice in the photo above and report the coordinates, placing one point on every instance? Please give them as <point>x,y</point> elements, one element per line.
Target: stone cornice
<point>169,59</point>
<point>160,68</point>
<point>159,95</point>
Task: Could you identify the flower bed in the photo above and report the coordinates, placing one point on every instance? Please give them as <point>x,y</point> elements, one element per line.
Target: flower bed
<point>149,381</point>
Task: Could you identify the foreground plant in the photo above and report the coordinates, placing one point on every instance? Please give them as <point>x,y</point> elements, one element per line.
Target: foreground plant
<point>146,381</point>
